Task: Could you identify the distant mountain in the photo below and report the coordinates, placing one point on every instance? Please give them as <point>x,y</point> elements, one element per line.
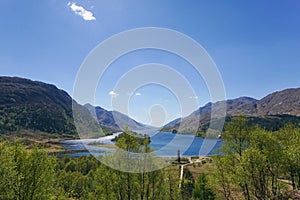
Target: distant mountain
<point>279,106</point>
<point>241,106</point>
<point>37,106</point>
<point>114,120</point>
<point>104,117</point>
<point>123,120</point>
<point>173,123</point>
<point>282,102</point>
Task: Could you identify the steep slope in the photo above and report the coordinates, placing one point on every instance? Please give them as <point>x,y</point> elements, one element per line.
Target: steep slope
<point>281,102</point>
<point>34,105</point>
<point>113,119</point>
<point>241,106</point>
<point>26,104</point>
<point>275,107</point>
<point>201,118</point>
<point>123,121</point>
<point>104,117</point>
<point>173,123</point>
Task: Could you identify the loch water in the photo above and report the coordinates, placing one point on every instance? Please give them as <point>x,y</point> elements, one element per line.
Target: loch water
<point>165,144</point>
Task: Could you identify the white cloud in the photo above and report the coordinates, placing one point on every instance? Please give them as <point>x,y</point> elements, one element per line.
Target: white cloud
<point>113,94</point>
<point>79,10</point>
<point>138,94</point>
<point>193,97</point>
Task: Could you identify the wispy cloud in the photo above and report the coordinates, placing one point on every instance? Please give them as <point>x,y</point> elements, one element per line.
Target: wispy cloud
<point>79,10</point>
<point>138,94</point>
<point>113,94</point>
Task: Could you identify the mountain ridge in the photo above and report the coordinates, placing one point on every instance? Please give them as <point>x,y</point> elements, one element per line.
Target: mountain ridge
<point>279,103</point>
<point>34,105</point>
<point>41,107</point>
<point>114,120</point>
<point>37,106</point>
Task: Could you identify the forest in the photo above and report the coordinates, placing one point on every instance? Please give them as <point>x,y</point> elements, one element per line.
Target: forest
<point>253,163</point>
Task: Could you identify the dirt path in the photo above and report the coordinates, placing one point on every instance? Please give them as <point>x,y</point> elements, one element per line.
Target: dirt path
<point>181,172</point>
<point>199,160</point>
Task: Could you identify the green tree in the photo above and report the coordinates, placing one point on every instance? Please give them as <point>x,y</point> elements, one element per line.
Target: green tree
<point>254,159</point>
<point>223,175</point>
<point>35,173</point>
<point>114,184</point>
<point>255,171</point>
<point>187,184</point>
<point>236,136</point>
<point>7,172</point>
<point>172,179</point>
<point>25,174</point>
<point>201,189</point>
<point>268,146</point>
<point>236,140</point>
<point>289,137</point>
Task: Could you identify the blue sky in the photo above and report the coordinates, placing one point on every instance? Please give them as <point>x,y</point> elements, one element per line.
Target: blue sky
<point>255,45</point>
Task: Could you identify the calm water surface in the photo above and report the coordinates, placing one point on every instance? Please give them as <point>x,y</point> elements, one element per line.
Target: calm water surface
<point>165,144</point>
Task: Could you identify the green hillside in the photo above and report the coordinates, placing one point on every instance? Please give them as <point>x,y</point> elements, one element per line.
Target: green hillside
<point>41,107</point>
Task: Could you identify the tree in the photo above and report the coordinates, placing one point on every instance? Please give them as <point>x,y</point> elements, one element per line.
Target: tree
<point>289,137</point>
<point>253,160</point>
<point>236,136</point>
<point>223,174</point>
<point>187,184</point>
<point>25,174</point>
<point>255,172</point>
<point>7,172</point>
<point>171,178</point>
<point>269,147</point>
<point>115,184</point>
<point>201,189</point>
<point>236,140</point>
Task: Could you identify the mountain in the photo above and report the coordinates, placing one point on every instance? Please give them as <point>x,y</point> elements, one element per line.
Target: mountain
<point>241,106</point>
<point>37,106</point>
<point>269,112</point>
<point>173,123</point>
<point>282,102</point>
<point>114,120</point>
<point>104,117</point>
<point>123,120</point>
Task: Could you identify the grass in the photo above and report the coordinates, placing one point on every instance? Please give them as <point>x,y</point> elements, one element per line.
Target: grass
<point>47,141</point>
<point>103,145</point>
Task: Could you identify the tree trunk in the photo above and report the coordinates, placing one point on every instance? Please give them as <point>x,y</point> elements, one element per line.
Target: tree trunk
<point>292,174</point>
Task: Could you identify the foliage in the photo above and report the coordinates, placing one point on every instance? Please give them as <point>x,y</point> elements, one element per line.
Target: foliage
<point>201,190</point>
<point>49,119</point>
<point>97,181</point>
<point>25,174</point>
<point>253,160</point>
<point>131,141</point>
<point>187,184</point>
<point>33,174</point>
<point>250,166</point>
